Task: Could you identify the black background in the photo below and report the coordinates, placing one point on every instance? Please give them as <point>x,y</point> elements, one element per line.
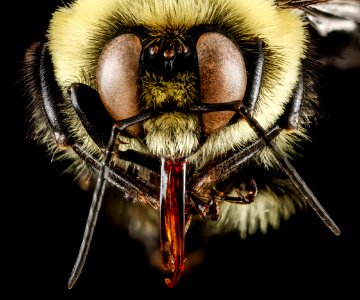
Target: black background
<point>44,212</point>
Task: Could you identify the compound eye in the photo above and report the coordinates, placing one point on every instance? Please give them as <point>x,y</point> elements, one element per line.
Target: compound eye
<point>223,78</point>
<point>118,78</point>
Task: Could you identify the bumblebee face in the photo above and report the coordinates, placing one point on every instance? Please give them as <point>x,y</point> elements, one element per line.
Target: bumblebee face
<point>164,67</point>
<point>175,104</point>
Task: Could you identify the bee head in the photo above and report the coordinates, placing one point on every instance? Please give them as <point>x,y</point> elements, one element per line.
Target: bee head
<point>153,57</point>
<point>167,84</point>
<point>168,77</point>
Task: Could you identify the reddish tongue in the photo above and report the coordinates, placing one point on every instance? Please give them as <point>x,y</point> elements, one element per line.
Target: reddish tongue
<point>172,218</point>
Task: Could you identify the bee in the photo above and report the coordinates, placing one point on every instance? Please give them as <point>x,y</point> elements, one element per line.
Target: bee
<point>186,112</point>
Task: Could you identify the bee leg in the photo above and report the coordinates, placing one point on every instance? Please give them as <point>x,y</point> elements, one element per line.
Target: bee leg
<point>96,202</point>
<point>214,210</point>
<point>293,175</point>
<point>241,199</point>
<point>211,208</point>
<point>211,174</point>
<point>104,174</point>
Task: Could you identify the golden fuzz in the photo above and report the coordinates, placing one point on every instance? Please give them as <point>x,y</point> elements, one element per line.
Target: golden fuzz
<point>73,40</point>
<point>72,31</point>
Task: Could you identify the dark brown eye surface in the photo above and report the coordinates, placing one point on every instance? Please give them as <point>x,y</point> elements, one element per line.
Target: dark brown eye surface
<point>222,75</point>
<point>118,77</point>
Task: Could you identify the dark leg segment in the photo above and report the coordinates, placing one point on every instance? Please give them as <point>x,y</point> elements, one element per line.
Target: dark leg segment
<point>98,196</point>
<point>292,173</point>
<point>52,98</point>
<point>201,187</point>
<point>96,120</point>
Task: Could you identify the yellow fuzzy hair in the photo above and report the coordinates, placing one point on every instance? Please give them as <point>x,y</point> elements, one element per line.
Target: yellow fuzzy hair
<point>72,30</point>
<point>73,36</point>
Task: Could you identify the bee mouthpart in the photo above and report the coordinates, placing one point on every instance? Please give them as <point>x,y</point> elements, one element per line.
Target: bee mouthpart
<point>172,217</point>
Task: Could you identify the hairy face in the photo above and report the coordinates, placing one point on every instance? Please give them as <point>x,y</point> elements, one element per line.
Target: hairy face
<point>185,107</point>
<point>173,24</point>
